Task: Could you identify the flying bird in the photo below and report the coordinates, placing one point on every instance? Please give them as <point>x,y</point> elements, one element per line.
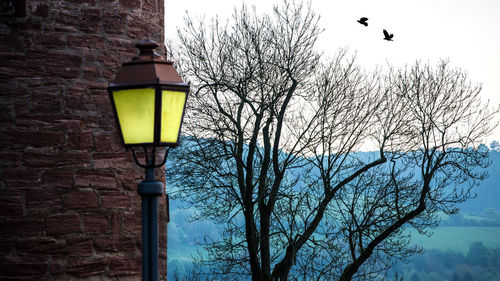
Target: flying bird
<point>363,21</point>
<point>388,36</point>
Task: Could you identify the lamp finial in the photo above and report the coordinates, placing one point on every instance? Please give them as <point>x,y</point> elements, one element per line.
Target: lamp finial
<point>147,50</point>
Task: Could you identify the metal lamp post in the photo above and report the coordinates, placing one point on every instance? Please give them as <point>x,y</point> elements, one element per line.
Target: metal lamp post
<point>148,99</point>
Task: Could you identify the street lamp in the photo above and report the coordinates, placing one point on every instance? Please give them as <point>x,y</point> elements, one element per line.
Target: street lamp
<point>148,99</point>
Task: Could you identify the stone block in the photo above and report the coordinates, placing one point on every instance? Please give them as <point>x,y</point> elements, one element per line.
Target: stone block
<point>52,40</point>
<point>92,72</point>
<point>57,178</point>
<point>81,199</point>
<point>67,19</point>
<point>79,99</point>
<point>102,180</point>
<point>80,140</point>
<point>12,203</point>
<point>37,159</point>
<point>150,6</point>
<point>130,4</point>
<point>43,199</point>
<point>23,268</point>
<point>132,221</point>
<point>42,245</point>
<point>33,138</point>
<point>128,244</point>
<point>115,22</point>
<point>9,158</point>
<point>91,42</point>
<point>63,65</point>
<point>115,200</point>
<point>73,159</point>
<point>48,122</point>
<point>20,177</point>
<point>42,10</point>
<point>21,226</point>
<point>102,101</point>
<point>79,247</point>
<point>95,223</point>
<point>111,161</point>
<point>60,224</point>
<point>90,20</point>
<point>83,2</point>
<point>87,267</point>
<point>119,266</point>
<point>106,141</point>
<point>46,101</point>
<point>115,221</point>
<point>106,244</point>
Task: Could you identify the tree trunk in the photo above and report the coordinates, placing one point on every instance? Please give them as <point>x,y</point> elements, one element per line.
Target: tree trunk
<point>281,270</point>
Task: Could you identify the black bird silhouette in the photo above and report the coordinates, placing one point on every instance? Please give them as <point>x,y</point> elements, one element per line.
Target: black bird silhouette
<point>388,36</point>
<point>363,21</point>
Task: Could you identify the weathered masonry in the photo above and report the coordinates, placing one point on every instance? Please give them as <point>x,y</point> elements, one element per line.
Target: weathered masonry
<point>69,209</point>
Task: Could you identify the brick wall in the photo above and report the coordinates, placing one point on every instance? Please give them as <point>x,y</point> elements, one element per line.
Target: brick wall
<point>69,209</point>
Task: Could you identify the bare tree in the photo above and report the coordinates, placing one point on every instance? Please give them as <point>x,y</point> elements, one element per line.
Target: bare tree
<point>273,150</point>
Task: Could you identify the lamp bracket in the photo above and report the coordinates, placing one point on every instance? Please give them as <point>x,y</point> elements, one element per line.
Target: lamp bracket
<point>150,157</point>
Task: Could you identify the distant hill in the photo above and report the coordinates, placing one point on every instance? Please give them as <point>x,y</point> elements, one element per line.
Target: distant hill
<point>182,234</point>
<point>488,193</point>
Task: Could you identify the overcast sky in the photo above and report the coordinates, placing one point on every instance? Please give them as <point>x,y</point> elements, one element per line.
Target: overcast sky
<point>467,32</point>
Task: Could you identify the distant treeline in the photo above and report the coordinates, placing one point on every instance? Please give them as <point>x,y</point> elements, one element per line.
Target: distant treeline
<point>488,192</point>
<point>479,264</point>
<point>489,217</point>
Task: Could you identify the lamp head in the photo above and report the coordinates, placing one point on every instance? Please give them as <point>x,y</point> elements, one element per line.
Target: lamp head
<point>148,98</point>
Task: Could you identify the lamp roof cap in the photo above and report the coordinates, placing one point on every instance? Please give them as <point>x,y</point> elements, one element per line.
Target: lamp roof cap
<point>147,51</point>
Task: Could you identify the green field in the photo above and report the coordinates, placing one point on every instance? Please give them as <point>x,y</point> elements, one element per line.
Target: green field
<point>458,238</point>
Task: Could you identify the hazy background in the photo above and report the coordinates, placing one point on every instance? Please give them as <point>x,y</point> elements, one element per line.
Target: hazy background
<point>465,31</point>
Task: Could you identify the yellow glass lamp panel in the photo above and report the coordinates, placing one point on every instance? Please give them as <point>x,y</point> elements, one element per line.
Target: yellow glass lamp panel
<point>171,117</point>
<point>136,114</point>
